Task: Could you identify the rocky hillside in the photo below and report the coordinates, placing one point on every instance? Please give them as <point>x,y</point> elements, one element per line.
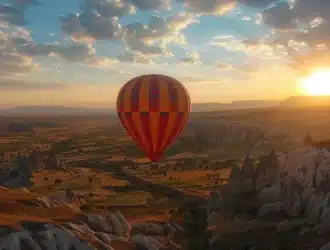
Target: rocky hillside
<point>31,221</point>
<point>293,212</point>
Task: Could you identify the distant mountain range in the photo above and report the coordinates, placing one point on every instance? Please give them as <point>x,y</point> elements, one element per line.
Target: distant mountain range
<point>306,101</point>
<point>55,110</point>
<point>291,102</point>
<point>248,104</point>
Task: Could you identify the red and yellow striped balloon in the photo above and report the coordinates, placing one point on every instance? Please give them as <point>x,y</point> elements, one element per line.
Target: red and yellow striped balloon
<point>154,110</point>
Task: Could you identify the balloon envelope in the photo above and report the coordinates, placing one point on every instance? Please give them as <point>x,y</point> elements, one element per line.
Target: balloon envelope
<point>154,110</point>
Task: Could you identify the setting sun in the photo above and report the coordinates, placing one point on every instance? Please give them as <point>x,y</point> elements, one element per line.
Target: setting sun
<point>317,83</point>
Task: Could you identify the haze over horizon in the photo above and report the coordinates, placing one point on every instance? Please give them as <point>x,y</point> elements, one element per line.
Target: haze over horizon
<point>80,52</point>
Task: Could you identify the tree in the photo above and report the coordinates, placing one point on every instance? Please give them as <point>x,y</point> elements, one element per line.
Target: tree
<point>90,179</point>
<point>195,225</point>
<point>2,157</point>
<point>317,162</point>
<point>57,181</point>
<point>308,139</point>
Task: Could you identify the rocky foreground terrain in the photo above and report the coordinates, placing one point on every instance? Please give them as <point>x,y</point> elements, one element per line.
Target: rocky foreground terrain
<point>291,211</point>
<point>31,221</point>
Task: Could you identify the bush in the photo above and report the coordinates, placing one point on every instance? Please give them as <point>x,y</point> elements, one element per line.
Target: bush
<point>307,140</point>
<point>90,179</point>
<point>58,181</point>
<point>195,225</point>
<point>14,174</point>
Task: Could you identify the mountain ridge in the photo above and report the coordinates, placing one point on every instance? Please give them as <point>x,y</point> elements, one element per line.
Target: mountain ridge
<point>292,101</point>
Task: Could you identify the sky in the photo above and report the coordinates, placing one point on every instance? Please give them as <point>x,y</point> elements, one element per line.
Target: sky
<point>80,52</point>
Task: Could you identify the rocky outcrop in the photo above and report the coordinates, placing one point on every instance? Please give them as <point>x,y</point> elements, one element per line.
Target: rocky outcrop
<point>296,206</point>
<point>93,232</point>
<point>51,237</point>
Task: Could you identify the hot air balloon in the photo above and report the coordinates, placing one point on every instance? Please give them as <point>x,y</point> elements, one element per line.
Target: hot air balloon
<point>154,110</point>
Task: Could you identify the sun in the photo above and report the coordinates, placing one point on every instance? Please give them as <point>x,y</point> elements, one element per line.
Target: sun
<point>316,84</point>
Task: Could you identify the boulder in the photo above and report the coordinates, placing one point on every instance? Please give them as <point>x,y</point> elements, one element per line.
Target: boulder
<point>124,223</point>
<point>274,211</point>
<point>117,227</point>
<point>98,223</point>
<point>142,240</point>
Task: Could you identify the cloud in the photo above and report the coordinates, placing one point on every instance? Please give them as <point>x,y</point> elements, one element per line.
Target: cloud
<point>108,8</point>
<point>12,15</point>
<point>18,84</point>
<point>12,62</point>
<point>75,53</point>
<point>153,38</point>
<point>223,66</point>
<point>209,7</point>
<point>251,47</point>
<point>17,50</point>
<point>257,3</point>
<point>248,68</point>
<point>90,25</point>
<point>191,58</point>
<point>151,4</point>
<point>280,17</point>
<point>220,7</point>
<point>99,20</point>
<point>135,57</point>
<point>306,64</point>
<point>24,3</point>
<point>301,28</point>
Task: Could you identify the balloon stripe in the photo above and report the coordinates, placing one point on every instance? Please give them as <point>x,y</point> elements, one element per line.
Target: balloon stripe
<point>127,121</point>
<point>185,119</point>
<point>120,99</point>
<point>139,127</point>
<point>135,95</point>
<point>178,126</point>
<point>154,94</point>
<point>173,95</point>
<point>169,128</point>
<point>183,100</point>
<point>164,118</point>
<point>164,95</point>
<point>154,120</point>
<point>187,98</point>
<point>144,95</point>
<point>127,96</point>
<point>145,121</point>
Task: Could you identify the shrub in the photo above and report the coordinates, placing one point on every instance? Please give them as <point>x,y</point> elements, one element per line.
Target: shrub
<point>58,181</point>
<point>195,224</point>
<point>14,173</point>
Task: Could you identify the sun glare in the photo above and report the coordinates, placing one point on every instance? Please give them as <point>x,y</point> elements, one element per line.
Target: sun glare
<point>317,83</point>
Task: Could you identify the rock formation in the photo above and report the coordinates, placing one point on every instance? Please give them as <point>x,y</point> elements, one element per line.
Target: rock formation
<point>89,232</point>
<point>291,213</point>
